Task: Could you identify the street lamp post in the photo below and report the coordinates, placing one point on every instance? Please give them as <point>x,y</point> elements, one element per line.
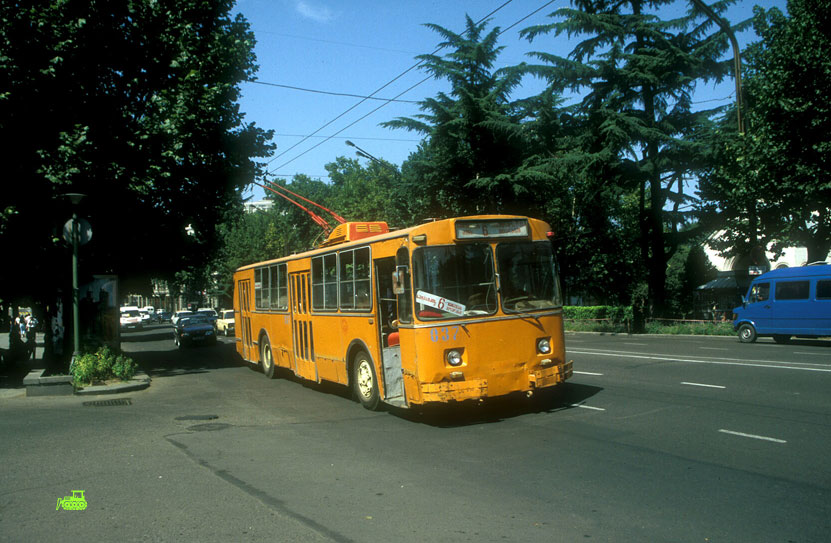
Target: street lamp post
<point>75,198</point>
<point>360,152</point>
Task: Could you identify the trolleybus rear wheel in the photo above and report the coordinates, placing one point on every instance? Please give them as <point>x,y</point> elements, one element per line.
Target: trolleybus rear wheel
<point>364,382</point>
<point>266,358</point>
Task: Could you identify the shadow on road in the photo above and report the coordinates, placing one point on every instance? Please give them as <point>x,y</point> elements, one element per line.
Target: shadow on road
<point>493,410</point>
<point>198,359</point>
<point>147,335</point>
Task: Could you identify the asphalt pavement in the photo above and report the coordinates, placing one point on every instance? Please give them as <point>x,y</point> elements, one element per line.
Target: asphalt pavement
<point>654,439</point>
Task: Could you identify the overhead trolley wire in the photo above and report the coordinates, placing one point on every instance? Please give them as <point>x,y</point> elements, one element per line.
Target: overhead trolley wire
<point>330,93</point>
<point>385,85</point>
<point>396,96</point>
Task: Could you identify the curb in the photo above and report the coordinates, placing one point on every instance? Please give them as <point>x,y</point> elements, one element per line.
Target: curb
<point>140,381</point>
<point>649,335</point>
<point>61,385</point>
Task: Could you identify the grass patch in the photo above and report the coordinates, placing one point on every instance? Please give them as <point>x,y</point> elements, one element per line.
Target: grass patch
<point>694,328</point>
<point>690,328</point>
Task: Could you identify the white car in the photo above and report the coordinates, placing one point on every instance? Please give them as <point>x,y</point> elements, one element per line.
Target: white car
<point>131,319</point>
<point>225,324</point>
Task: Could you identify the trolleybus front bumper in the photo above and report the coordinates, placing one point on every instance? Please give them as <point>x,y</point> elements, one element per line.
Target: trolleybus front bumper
<point>478,388</point>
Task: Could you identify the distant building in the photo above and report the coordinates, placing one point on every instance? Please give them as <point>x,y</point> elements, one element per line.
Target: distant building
<point>261,205</point>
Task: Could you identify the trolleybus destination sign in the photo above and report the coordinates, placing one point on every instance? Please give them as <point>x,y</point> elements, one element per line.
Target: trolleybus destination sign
<point>439,303</point>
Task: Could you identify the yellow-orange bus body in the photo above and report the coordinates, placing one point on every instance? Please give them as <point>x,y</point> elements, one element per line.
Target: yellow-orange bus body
<point>499,351</point>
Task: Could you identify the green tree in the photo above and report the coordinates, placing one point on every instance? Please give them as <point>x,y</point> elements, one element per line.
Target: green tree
<point>636,73</point>
<point>134,104</point>
<point>474,142</point>
<point>367,193</point>
<point>781,168</point>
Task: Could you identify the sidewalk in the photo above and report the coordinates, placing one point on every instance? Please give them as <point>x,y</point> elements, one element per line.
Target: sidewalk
<point>12,373</point>
<point>12,377</point>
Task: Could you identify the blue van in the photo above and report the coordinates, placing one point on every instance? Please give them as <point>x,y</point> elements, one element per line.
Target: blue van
<point>786,302</point>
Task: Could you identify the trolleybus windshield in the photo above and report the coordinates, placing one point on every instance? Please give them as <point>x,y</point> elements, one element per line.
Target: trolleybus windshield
<point>459,281</point>
<point>453,281</point>
<point>528,279</point>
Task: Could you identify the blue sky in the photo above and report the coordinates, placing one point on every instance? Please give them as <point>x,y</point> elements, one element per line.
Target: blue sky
<point>355,47</point>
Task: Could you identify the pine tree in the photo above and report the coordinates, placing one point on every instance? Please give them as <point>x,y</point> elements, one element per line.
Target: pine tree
<point>474,142</point>
<point>636,73</point>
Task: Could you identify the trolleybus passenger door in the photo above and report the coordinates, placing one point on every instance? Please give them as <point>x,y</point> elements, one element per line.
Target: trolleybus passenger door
<point>244,322</point>
<point>302,331</point>
<point>390,347</point>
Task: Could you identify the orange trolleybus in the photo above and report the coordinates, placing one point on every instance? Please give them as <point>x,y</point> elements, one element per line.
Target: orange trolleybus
<point>451,310</point>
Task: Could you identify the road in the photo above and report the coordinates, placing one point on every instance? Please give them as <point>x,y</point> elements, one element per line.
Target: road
<point>654,439</point>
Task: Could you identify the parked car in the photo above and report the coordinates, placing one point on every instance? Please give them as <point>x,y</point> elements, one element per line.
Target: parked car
<point>226,324</point>
<point>131,319</point>
<point>194,329</point>
<point>146,317</point>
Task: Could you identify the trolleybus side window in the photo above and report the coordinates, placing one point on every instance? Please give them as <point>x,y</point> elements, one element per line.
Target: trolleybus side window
<point>279,287</point>
<point>355,286</point>
<point>405,295</point>
<point>325,282</point>
<point>261,288</point>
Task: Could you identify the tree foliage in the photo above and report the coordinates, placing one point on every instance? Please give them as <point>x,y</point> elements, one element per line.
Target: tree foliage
<point>636,72</point>
<point>472,156</point>
<point>779,170</point>
<point>133,104</point>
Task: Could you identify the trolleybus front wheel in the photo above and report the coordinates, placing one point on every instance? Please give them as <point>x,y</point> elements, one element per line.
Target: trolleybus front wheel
<point>266,358</point>
<point>364,382</point>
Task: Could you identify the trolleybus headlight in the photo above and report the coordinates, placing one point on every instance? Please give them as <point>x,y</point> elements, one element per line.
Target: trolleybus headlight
<point>544,345</point>
<point>453,357</point>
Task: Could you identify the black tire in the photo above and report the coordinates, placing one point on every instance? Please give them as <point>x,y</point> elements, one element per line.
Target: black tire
<point>267,358</point>
<point>365,382</point>
<point>782,339</point>
<point>747,334</point>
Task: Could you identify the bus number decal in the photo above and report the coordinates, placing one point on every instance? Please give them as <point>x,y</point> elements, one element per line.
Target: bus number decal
<point>444,333</point>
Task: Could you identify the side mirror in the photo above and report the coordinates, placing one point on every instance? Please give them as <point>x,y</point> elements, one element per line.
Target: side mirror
<point>399,277</point>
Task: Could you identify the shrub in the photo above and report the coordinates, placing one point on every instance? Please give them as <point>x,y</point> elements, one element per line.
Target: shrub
<point>615,314</point>
<point>101,365</point>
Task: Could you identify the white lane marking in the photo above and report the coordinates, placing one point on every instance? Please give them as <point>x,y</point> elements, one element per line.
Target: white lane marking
<point>712,349</point>
<point>585,373</point>
<point>752,436</point>
<point>581,406</point>
<point>811,354</point>
<point>701,385</point>
<point>718,362</point>
<point>638,344</point>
